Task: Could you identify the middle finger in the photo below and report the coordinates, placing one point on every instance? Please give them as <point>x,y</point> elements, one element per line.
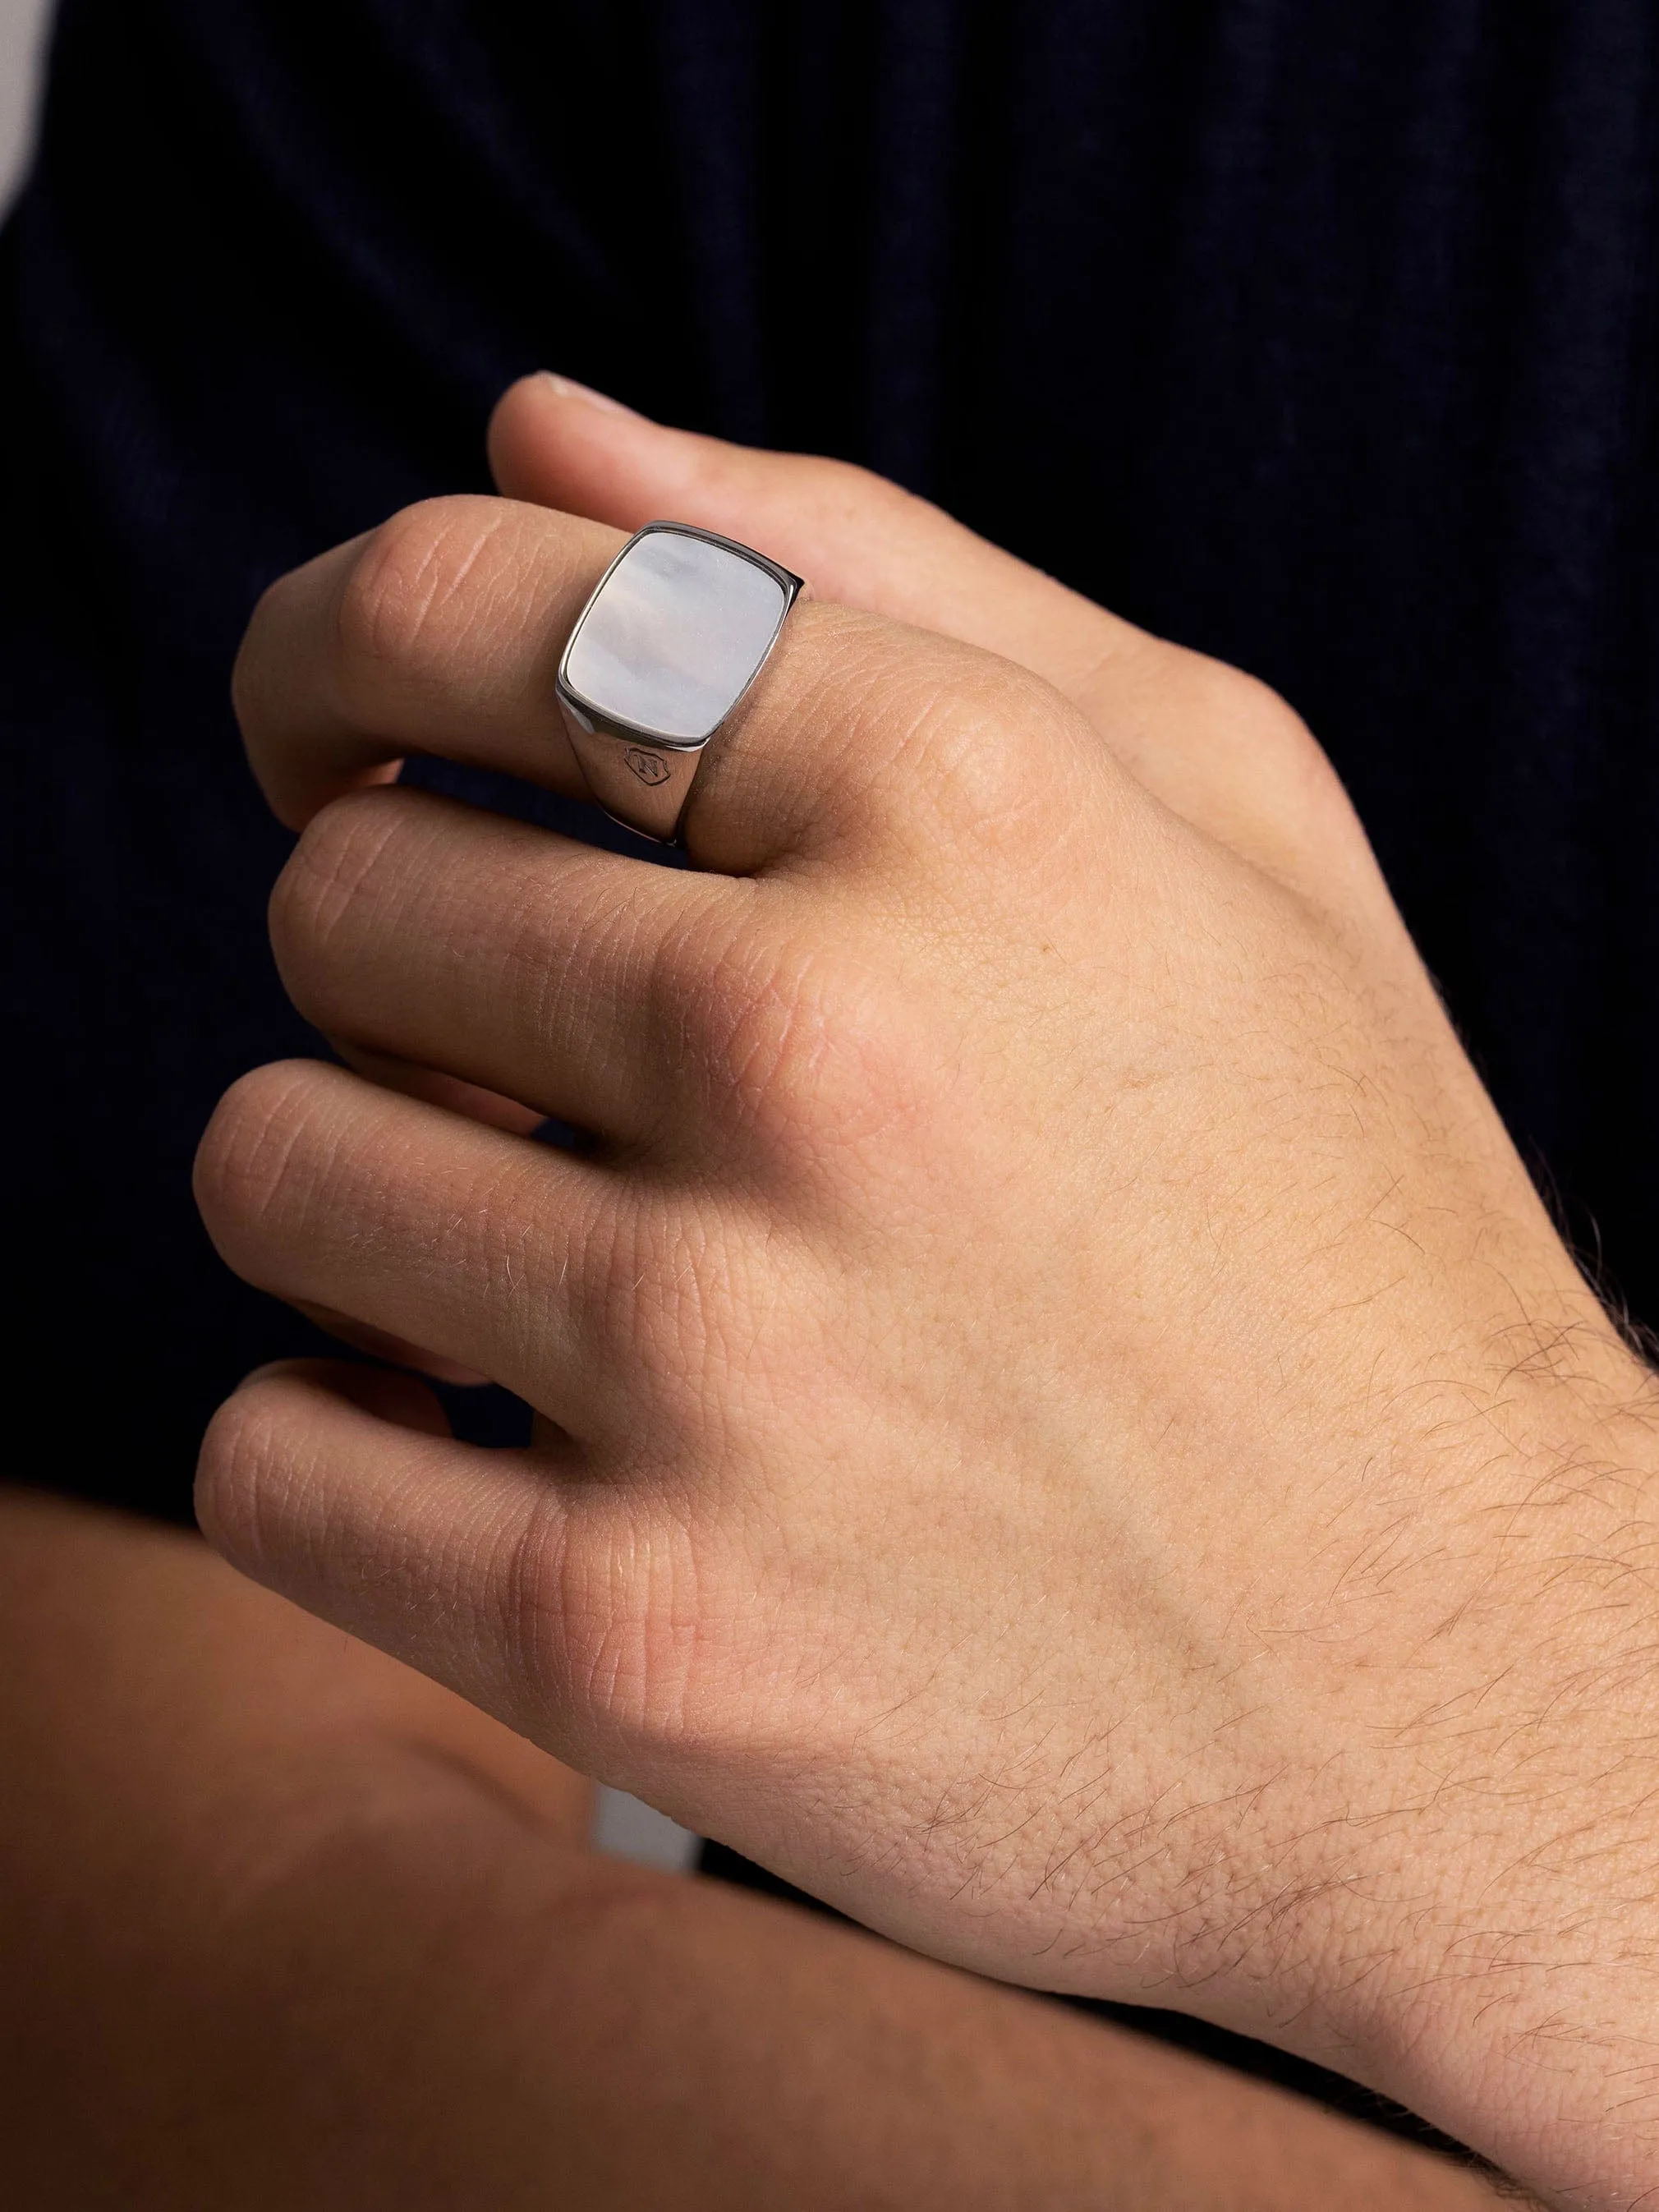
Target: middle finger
<point>554,973</point>
<point>440,633</point>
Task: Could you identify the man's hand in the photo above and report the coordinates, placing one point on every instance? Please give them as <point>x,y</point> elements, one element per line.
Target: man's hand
<point>1065,1429</point>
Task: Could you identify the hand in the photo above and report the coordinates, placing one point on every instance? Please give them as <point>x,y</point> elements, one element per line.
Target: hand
<point>1066,1428</point>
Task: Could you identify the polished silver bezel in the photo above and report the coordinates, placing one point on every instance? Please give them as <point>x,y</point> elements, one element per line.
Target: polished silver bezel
<point>603,741</point>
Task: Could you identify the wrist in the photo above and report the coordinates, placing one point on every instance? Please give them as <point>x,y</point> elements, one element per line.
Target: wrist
<point>1497,1967</point>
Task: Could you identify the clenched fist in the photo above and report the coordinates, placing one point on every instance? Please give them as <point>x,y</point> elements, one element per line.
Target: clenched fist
<point>1064,1427</point>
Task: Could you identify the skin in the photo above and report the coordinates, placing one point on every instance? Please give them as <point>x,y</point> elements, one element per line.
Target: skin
<point>1066,1428</point>
<point>286,1924</point>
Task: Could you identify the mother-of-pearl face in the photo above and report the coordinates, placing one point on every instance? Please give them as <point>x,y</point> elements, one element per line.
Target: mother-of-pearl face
<point>678,630</point>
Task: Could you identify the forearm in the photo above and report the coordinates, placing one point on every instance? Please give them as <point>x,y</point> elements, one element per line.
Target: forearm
<point>287,1924</point>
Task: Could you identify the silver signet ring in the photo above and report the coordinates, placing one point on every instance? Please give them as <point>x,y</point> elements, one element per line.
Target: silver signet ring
<point>677,629</point>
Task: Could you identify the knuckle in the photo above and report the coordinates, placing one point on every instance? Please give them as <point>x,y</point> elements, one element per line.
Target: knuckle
<point>401,611</point>
<point>1215,698</point>
<point>845,494</point>
<point>249,1158</point>
<point>670,1302</point>
<point>780,1051</point>
<point>847,488</point>
<point>806,1048</point>
<point>1241,699</point>
<point>927,739</point>
<point>635,1604</point>
<point>331,876</point>
<point>644,1294</point>
<point>994,750</point>
<point>249,691</point>
<point>257,1474</point>
<point>1258,746</point>
<point>607,1601</point>
<point>239,1453</point>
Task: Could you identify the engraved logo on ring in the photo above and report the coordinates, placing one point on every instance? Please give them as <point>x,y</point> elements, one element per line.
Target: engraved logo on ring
<point>650,768</point>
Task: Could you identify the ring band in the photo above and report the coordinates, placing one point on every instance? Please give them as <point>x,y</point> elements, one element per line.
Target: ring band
<point>678,627</point>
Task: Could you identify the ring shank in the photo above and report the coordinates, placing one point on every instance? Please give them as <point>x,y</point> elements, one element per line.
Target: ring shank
<point>642,785</point>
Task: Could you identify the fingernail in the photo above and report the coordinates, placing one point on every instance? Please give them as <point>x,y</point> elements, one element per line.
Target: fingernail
<point>568,388</point>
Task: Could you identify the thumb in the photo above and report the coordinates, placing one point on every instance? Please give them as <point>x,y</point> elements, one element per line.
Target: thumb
<point>858,538</point>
